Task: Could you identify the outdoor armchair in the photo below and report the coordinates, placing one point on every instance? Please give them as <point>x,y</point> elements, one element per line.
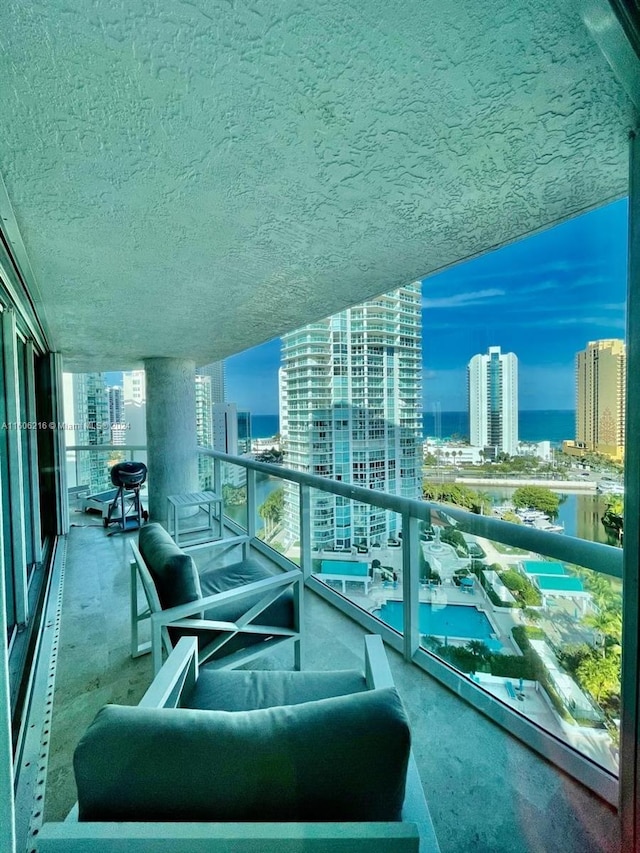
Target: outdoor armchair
<point>237,612</point>
<point>250,762</point>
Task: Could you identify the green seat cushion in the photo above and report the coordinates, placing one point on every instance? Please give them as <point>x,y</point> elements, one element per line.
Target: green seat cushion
<point>248,690</point>
<point>174,573</point>
<point>338,759</point>
<point>234,576</point>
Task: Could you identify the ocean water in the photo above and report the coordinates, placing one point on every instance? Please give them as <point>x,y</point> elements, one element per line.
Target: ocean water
<point>553,425</point>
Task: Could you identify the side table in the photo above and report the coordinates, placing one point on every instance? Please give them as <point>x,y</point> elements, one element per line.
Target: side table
<point>208,500</point>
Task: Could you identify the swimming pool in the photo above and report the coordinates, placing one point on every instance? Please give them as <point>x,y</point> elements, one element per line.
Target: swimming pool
<point>454,620</point>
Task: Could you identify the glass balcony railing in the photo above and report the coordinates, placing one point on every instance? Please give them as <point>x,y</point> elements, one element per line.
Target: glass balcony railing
<point>522,623</point>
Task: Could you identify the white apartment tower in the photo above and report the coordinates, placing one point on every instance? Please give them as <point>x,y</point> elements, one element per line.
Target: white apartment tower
<point>493,401</point>
<point>204,428</point>
<point>134,396</point>
<point>351,409</point>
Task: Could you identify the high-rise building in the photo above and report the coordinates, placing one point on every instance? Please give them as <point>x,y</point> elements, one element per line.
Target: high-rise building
<point>134,398</point>
<point>493,402</point>
<point>91,415</point>
<point>115,399</point>
<point>225,428</point>
<point>215,372</point>
<point>244,432</point>
<point>204,428</point>
<point>600,398</point>
<point>134,386</point>
<point>351,409</point>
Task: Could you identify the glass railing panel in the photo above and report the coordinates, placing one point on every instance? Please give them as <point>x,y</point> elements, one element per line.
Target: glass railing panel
<point>356,549</point>
<point>233,488</point>
<point>89,485</point>
<point>542,636</point>
<point>269,511</point>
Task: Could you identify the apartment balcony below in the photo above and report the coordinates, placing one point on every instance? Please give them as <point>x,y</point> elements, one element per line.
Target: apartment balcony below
<point>486,790</point>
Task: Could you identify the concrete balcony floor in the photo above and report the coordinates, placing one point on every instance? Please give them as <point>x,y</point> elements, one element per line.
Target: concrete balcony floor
<point>487,792</point>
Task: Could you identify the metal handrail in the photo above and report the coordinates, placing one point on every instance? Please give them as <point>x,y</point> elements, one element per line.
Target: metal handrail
<point>590,555</point>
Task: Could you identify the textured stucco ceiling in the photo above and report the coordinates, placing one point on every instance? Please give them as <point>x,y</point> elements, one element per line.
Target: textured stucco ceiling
<point>191,178</point>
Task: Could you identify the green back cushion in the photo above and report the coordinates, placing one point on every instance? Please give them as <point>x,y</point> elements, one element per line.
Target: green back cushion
<point>338,759</point>
<point>174,573</point>
<point>251,689</point>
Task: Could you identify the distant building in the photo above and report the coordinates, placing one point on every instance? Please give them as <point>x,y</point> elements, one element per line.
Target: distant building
<point>536,449</point>
<point>244,433</point>
<point>215,372</point>
<point>134,386</point>
<point>225,428</point>
<point>135,397</point>
<point>600,400</point>
<point>115,398</point>
<point>456,454</point>
<point>451,453</point>
<point>204,428</point>
<point>283,403</point>
<point>493,402</point>
<point>351,409</point>
<point>93,427</point>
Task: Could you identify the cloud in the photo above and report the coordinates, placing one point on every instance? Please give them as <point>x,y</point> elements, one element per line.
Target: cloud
<point>458,300</point>
<point>596,320</point>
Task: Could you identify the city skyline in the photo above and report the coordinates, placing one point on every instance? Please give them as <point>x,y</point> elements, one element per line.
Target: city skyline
<point>543,297</point>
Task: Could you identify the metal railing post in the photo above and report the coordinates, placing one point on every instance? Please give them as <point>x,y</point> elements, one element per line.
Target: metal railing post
<point>251,503</point>
<point>217,476</point>
<point>411,584</point>
<point>305,530</point>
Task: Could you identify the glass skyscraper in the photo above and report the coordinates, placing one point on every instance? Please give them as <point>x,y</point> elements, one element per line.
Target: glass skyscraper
<point>351,409</point>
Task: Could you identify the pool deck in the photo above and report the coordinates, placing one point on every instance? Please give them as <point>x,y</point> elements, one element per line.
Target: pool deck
<point>535,705</point>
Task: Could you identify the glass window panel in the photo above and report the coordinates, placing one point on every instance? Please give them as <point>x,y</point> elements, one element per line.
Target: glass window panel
<point>4,491</point>
<point>26,461</point>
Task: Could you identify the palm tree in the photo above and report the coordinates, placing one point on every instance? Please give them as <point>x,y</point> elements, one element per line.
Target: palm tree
<point>601,589</point>
<point>608,624</point>
<point>478,649</point>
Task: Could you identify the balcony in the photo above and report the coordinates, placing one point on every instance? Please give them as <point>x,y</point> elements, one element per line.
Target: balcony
<point>304,240</point>
<point>484,788</point>
<point>483,782</point>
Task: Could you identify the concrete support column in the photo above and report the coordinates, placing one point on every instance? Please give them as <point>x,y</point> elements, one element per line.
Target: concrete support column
<point>171,431</point>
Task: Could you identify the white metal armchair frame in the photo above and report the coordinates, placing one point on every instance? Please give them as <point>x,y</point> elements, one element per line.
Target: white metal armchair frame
<point>183,617</point>
<point>414,833</point>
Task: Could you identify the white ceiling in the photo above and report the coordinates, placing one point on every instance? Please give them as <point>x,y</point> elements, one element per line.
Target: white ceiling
<point>191,178</point>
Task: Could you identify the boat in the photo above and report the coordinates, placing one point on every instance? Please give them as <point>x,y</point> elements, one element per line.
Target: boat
<point>547,525</point>
<point>609,488</point>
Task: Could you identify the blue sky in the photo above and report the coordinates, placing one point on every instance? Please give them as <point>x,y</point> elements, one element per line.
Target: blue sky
<point>542,298</point>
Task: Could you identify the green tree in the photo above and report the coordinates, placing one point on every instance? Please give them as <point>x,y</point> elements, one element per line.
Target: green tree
<point>513,517</point>
<point>478,649</point>
<point>536,497</point>
<point>523,589</point>
<point>608,624</point>
<point>600,676</point>
<point>271,510</point>
<point>454,538</point>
